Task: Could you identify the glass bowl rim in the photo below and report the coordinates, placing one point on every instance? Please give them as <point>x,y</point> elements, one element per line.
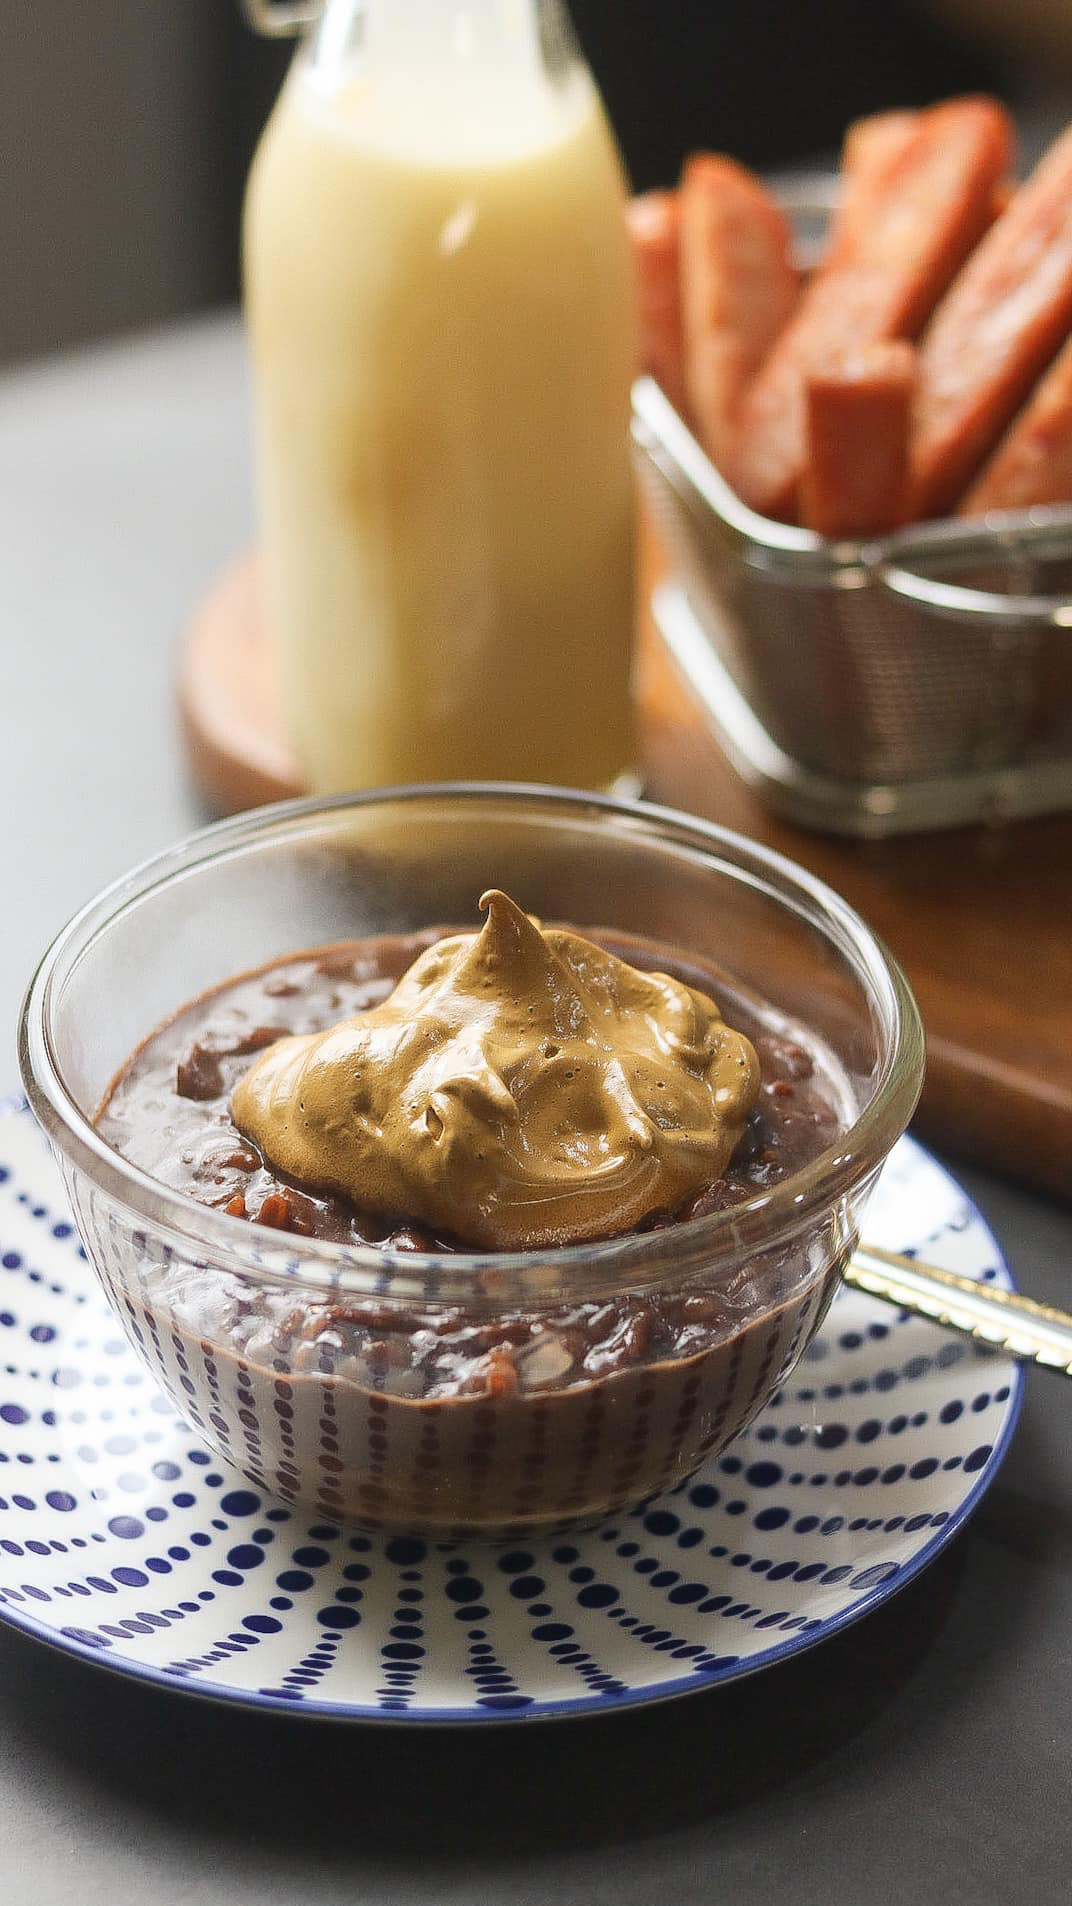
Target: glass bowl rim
<point>587,1269</point>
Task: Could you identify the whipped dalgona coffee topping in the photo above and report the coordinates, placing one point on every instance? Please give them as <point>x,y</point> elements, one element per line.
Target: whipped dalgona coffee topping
<point>519,1088</point>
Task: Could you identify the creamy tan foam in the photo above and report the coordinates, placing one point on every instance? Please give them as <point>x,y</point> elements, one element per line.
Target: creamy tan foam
<point>519,1088</point>
<point>439,296</point>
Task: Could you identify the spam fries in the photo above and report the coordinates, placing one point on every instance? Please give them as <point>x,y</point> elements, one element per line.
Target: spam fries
<point>858,427</point>
<point>918,369</point>
<point>739,285</point>
<point>655,226</point>
<point>925,209</point>
<point>1033,463</point>
<point>1002,321</point>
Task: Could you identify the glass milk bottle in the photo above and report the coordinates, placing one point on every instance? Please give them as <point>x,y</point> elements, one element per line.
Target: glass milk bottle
<point>439,296</point>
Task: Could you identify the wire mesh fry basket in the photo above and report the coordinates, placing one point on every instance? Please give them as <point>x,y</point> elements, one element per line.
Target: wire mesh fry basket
<point>915,682</point>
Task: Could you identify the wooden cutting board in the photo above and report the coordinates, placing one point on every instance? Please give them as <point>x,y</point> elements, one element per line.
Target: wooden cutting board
<point>980,918</point>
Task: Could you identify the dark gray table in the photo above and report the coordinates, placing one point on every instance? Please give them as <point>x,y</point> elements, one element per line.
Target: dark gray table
<point>921,1756</point>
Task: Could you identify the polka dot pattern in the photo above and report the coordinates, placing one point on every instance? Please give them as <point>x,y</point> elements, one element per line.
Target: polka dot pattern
<point>122,1536</point>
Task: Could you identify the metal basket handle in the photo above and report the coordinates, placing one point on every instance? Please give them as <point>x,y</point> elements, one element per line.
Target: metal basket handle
<point>906,565</point>
<point>281,19</point>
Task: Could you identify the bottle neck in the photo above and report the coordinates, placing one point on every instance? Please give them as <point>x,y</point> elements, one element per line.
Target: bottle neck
<point>466,81</point>
<point>516,37</point>
<point>446,33</point>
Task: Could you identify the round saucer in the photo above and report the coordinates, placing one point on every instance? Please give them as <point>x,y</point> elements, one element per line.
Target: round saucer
<point>123,1539</point>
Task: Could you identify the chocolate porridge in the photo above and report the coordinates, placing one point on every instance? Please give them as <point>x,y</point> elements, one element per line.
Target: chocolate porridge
<point>480,1412</point>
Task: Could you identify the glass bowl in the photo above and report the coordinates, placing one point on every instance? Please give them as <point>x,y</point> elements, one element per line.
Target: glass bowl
<point>265,1340</point>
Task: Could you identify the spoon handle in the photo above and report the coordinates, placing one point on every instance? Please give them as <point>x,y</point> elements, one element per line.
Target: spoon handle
<point>1002,1320</point>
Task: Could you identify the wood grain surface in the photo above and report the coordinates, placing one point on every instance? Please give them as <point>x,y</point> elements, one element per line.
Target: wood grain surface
<point>980,918</point>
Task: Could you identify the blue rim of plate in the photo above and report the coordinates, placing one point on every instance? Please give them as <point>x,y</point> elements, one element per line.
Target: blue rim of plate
<point>586,1703</point>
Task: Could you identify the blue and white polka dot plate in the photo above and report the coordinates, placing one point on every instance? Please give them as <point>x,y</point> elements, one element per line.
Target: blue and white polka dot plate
<point>123,1540</point>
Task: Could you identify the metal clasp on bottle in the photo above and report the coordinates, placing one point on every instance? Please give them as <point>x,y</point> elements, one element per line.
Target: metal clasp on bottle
<point>281,19</point>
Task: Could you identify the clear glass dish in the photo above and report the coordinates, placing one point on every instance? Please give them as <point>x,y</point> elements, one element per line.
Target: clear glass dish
<point>256,1334</point>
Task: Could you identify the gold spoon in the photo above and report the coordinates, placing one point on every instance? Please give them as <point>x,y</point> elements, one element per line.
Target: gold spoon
<point>1001,1320</point>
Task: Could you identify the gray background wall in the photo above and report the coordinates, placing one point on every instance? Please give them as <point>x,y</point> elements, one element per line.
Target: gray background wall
<point>111,149</point>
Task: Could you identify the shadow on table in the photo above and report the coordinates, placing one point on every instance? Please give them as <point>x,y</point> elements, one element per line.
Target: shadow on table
<point>524,1788</point>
